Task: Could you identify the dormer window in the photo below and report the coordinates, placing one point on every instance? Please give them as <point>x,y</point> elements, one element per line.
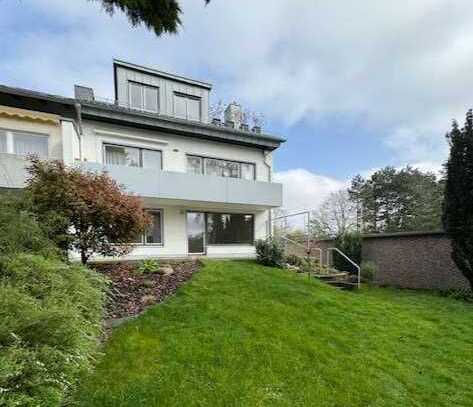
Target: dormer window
<point>187,107</point>
<point>143,97</point>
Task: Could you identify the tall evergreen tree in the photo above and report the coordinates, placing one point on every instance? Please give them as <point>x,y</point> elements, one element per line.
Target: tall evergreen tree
<point>162,16</point>
<point>394,200</point>
<point>458,203</point>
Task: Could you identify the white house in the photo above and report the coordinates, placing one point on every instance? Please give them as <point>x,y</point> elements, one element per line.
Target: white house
<point>206,183</point>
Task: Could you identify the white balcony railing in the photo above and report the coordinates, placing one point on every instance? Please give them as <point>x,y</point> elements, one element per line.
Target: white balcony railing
<point>190,187</point>
<point>164,184</point>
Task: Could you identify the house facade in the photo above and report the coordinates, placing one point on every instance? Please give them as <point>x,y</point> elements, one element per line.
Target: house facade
<point>206,183</point>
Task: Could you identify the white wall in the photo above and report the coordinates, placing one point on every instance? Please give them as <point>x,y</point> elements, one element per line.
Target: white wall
<point>175,239</point>
<point>70,142</point>
<point>173,147</point>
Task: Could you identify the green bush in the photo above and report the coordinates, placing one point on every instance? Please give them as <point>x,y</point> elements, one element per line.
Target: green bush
<point>19,230</point>
<point>463,294</point>
<point>148,266</point>
<point>269,252</point>
<point>309,265</point>
<point>294,260</point>
<point>350,244</point>
<point>50,322</point>
<point>368,270</point>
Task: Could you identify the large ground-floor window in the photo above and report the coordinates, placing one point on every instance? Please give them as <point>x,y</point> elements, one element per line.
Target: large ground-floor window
<point>230,228</point>
<point>218,228</point>
<point>154,232</point>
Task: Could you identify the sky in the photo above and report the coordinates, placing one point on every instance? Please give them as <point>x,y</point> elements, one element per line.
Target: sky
<point>352,86</point>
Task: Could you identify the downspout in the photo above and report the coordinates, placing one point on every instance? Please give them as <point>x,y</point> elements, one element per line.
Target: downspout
<point>266,154</point>
<point>78,109</point>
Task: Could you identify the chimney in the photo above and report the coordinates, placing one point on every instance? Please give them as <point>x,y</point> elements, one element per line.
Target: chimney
<point>83,93</point>
<point>233,114</point>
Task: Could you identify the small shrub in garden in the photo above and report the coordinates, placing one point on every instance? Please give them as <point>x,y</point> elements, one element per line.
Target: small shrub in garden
<point>148,266</point>
<point>50,322</point>
<point>269,252</point>
<point>310,265</point>
<point>294,260</point>
<point>368,270</point>
<point>463,294</point>
<point>19,230</point>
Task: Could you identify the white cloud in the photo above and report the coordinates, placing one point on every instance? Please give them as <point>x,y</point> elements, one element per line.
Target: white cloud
<point>404,67</point>
<point>304,189</point>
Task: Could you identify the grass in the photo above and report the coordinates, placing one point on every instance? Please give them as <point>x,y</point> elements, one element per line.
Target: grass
<point>240,334</point>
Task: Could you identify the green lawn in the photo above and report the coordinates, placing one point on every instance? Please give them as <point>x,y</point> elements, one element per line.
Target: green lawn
<point>240,334</point>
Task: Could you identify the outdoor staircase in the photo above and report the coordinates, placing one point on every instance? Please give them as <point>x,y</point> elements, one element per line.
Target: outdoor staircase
<point>339,279</point>
<point>326,273</point>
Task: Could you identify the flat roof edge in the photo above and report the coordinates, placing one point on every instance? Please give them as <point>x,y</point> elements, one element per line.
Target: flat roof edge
<point>153,71</point>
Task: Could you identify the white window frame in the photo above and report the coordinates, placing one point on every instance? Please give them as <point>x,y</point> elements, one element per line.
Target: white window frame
<point>143,86</point>
<point>143,235</point>
<point>186,97</point>
<point>140,149</point>
<point>203,166</point>
<point>10,143</point>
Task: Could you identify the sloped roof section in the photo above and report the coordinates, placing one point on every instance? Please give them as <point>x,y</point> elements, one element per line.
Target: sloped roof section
<point>114,113</point>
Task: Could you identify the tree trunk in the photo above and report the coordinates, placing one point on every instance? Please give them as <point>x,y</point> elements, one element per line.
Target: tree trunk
<point>83,256</point>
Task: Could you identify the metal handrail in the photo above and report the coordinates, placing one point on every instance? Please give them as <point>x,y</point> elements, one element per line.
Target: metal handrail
<point>349,260</point>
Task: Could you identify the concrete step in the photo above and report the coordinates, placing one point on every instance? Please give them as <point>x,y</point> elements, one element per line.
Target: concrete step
<point>343,285</point>
<point>330,276</point>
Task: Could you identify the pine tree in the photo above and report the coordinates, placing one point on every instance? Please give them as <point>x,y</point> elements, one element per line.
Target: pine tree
<point>162,16</point>
<point>458,203</point>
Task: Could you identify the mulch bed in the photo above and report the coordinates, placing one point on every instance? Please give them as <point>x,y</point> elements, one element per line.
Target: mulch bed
<point>131,292</point>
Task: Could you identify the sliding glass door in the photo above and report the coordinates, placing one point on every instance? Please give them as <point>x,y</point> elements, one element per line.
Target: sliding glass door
<point>196,232</point>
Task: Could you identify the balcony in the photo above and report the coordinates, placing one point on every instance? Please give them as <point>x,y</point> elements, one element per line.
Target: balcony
<point>188,187</point>
<point>175,186</point>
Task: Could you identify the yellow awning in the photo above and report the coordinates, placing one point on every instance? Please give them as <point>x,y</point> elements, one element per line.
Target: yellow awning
<point>30,115</point>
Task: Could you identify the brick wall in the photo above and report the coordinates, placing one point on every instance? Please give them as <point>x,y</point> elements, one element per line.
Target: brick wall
<point>413,260</point>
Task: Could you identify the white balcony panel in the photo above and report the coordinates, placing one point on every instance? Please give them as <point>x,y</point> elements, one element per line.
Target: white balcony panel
<point>189,187</point>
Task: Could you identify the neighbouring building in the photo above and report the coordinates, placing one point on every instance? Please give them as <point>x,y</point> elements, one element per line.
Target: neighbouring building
<point>206,183</point>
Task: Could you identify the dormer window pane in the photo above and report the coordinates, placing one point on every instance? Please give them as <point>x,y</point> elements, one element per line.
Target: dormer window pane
<point>151,98</point>
<point>180,108</point>
<point>193,107</point>
<point>187,107</point>
<point>136,98</point>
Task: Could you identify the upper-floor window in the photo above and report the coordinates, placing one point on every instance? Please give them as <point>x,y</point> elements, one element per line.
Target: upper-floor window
<point>23,143</point>
<point>132,156</point>
<point>221,168</point>
<point>144,97</point>
<point>187,107</point>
